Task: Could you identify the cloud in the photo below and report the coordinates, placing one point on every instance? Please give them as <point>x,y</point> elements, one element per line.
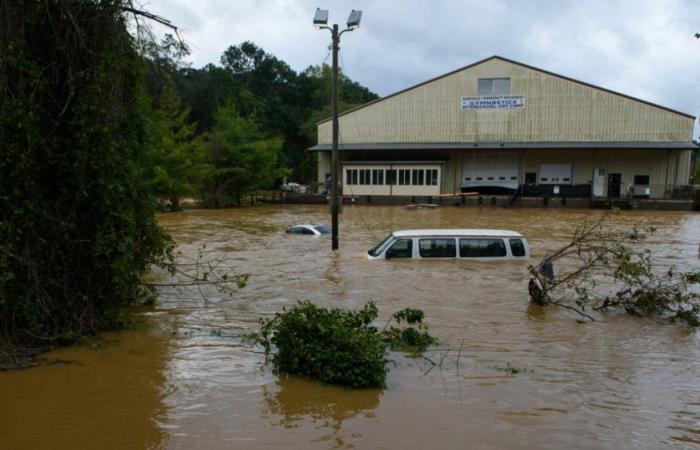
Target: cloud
<point>644,48</point>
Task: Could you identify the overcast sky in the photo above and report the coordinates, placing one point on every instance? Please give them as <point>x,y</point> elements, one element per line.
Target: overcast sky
<point>643,48</point>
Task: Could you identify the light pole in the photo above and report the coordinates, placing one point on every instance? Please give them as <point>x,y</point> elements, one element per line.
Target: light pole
<point>321,22</point>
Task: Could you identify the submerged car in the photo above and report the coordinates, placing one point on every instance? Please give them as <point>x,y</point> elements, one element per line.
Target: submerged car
<point>477,244</point>
<point>316,230</point>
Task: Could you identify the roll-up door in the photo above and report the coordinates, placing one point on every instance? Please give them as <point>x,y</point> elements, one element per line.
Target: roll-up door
<point>495,168</point>
<point>555,174</point>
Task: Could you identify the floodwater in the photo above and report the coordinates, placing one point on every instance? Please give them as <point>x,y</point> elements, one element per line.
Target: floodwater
<point>527,377</point>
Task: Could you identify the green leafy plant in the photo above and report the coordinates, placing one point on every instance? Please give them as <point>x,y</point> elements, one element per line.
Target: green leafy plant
<point>409,334</point>
<point>339,346</point>
<point>329,344</point>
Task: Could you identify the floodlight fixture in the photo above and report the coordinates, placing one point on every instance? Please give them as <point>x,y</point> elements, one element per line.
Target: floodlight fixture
<point>321,17</point>
<point>354,18</point>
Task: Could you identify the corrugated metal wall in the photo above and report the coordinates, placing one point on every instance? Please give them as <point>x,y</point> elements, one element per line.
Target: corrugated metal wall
<point>555,109</point>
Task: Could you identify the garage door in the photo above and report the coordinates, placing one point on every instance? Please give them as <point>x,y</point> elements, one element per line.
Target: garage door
<point>490,168</point>
<point>555,174</point>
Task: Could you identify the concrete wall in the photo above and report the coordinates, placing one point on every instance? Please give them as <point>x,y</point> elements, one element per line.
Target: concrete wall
<point>556,109</point>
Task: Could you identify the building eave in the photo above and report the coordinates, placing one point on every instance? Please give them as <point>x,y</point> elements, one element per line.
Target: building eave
<point>623,145</point>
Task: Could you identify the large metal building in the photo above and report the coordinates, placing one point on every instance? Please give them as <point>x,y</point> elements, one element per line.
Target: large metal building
<point>499,126</point>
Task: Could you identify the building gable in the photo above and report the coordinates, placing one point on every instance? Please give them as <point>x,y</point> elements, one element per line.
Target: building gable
<point>548,108</point>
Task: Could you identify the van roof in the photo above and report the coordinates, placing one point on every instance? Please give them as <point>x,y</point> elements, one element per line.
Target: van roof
<point>456,232</point>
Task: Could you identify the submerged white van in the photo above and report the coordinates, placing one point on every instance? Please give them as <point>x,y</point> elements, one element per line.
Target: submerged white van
<point>482,245</point>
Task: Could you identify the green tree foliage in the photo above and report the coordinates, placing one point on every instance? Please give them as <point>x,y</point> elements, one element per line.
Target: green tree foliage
<point>239,159</point>
<point>265,89</point>
<point>76,218</point>
<point>176,159</point>
<point>330,345</point>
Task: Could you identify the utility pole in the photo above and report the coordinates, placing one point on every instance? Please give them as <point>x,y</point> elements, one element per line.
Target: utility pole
<point>334,149</point>
<point>321,21</point>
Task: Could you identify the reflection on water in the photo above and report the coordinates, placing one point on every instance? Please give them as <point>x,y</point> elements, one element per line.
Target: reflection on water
<point>187,380</point>
<point>293,400</point>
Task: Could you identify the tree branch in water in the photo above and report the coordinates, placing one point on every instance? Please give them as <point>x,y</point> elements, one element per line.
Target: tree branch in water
<point>604,268</point>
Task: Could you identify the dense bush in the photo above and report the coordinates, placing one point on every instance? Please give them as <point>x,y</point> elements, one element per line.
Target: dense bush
<point>339,346</point>
<point>76,218</point>
<point>331,345</point>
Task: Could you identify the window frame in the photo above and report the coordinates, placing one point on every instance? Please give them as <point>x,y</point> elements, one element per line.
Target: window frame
<point>410,249</point>
<point>404,177</point>
<point>492,90</point>
<point>522,246</point>
<point>422,239</point>
<point>504,247</point>
<point>637,178</point>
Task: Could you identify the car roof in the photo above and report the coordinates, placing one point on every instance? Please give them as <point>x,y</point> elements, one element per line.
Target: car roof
<point>456,232</point>
<point>309,225</point>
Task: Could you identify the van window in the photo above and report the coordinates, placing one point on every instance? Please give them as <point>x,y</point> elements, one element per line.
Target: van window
<point>437,248</point>
<point>403,248</point>
<point>517,248</point>
<point>482,248</point>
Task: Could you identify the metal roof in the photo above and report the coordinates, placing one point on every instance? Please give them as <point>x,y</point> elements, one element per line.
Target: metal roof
<point>384,161</point>
<point>519,64</point>
<point>510,146</point>
<point>456,232</point>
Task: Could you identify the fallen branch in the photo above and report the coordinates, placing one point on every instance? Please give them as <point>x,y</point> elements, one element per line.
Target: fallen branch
<point>604,268</point>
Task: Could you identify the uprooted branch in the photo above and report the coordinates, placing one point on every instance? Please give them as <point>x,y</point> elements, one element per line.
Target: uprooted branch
<point>203,270</point>
<point>603,268</point>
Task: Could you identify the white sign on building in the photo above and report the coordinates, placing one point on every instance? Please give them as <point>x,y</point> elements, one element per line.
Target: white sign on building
<point>493,102</point>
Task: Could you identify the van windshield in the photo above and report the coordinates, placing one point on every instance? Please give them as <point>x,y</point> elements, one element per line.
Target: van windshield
<point>376,251</point>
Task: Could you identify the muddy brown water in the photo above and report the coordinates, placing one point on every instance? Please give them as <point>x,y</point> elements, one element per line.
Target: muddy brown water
<point>183,378</point>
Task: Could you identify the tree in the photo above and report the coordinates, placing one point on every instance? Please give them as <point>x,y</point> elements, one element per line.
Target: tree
<point>176,154</point>
<point>240,159</point>
<point>77,226</point>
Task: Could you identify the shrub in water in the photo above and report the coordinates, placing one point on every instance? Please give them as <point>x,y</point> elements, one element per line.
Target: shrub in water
<point>410,334</point>
<point>328,344</point>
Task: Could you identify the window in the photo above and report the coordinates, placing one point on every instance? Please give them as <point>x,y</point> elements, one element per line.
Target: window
<point>437,248</point>
<point>517,248</point>
<point>404,176</point>
<point>391,176</point>
<point>641,179</point>
<point>531,178</point>
<point>431,177</point>
<point>403,248</point>
<point>417,177</point>
<point>481,248</point>
<point>494,86</point>
<point>365,176</point>
<point>351,176</point>
<point>377,176</point>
